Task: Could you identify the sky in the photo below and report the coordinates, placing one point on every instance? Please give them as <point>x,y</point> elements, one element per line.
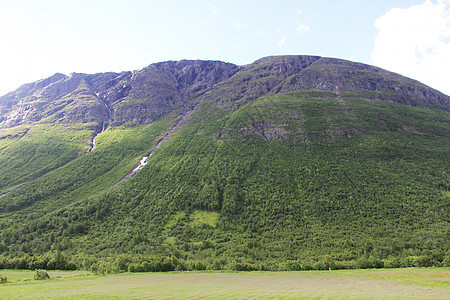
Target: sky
<point>41,37</point>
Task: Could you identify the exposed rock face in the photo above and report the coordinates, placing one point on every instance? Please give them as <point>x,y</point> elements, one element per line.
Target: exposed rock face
<point>259,78</point>
<point>164,87</point>
<point>327,74</point>
<point>145,95</point>
<point>46,98</point>
<point>140,96</point>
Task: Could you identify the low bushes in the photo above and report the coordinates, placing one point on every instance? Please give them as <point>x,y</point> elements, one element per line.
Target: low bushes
<point>41,275</point>
<point>3,279</point>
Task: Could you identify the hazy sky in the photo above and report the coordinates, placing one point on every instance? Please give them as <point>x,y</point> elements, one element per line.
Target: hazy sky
<point>41,37</point>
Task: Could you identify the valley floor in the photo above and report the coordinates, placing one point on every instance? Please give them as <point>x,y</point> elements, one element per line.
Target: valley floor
<point>411,283</point>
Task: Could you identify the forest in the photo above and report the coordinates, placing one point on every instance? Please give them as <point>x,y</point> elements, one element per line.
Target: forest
<point>294,181</point>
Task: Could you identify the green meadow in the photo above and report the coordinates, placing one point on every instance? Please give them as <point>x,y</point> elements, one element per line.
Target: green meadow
<point>408,283</point>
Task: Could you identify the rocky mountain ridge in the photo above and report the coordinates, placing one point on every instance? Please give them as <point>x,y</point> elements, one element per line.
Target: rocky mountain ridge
<point>145,95</point>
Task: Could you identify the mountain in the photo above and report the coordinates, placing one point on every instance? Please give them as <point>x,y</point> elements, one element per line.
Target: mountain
<point>291,162</point>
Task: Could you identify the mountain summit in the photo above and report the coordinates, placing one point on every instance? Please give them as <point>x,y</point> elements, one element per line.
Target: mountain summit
<point>291,162</point>
<point>145,95</point>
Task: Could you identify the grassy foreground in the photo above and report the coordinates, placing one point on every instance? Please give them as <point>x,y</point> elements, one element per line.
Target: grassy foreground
<point>431,283</point>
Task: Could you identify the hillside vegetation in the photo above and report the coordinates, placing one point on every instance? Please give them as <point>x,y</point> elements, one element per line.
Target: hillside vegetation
<point>249,168</point>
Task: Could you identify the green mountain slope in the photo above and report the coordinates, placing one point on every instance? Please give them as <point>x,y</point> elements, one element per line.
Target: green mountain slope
<point>288,163</point>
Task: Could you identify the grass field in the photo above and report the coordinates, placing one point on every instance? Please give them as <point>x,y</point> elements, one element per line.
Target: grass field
<point>431,283</point>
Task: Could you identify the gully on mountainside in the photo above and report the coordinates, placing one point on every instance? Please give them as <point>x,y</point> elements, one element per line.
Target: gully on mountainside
<point>105,123</point>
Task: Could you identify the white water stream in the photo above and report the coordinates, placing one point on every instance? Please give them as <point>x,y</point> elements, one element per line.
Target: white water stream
<point>105,123</point>
<point>94,144</point>
<point>142,163</point>
<point>144,159</point>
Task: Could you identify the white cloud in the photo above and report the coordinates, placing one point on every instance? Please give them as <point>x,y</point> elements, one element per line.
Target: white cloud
<point>282,42</point>
<point>415,42</point>
<point>302,27</point>
<point>238,25</point>
<point>214,11</point>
